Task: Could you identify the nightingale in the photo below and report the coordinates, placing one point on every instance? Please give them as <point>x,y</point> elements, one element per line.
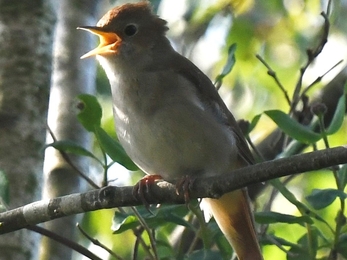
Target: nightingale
<point>169,117</point>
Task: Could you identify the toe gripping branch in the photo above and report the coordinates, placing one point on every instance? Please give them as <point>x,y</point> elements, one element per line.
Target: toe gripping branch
<point>143,187</point>
<point>183,185</point>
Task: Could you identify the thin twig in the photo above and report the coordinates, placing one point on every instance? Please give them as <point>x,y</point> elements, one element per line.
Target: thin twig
<point>148,230</point>
<point>260,157</point>
<point>64,241</point>
<point>69,162</point>
<point>273,74</point>
<point>138,234</point>
<point>136,247</point>
<point>98,243</point>
<point>311,56</point>
<point>94,185</point>
<point>203,232</point>
<point>270,238</point>
<point>318,79</point>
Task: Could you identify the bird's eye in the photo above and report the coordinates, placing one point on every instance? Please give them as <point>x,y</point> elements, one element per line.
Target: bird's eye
<point>130,29</point>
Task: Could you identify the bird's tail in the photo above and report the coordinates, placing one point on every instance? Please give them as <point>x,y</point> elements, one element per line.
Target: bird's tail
<point>233,215</point>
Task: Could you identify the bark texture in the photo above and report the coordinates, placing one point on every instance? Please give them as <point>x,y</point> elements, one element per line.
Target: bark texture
<point>71,77</point>
<point>26,29</point>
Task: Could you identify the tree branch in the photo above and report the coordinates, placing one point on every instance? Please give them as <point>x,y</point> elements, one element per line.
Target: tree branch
<point>165,192</point>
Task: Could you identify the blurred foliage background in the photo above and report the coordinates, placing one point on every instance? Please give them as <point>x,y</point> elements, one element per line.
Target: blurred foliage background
<point>280,31</point>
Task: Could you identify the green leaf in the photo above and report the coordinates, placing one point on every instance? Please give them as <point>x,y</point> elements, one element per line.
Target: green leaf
<point>122,222</point>
<point>342,176</point>
<point>304,210</point>
<point>339,116</point>
<point>205,254</point>
<point>341,246</point>
<point>161,216</point>
<point>274,217</point>
<point>320,199</point>
<point>271,239</point>
<point>229,64</point>
<point>254,122</point>
<point>222,243</point>
<point>114,149</point>
<point>164,248</point>
<point>287,193</point>
<point>68,146</point>
<point>4,189</point>
<point>91,112</point>
<point>174,214</point>
<point>292,127</point>
<point>306,248</point>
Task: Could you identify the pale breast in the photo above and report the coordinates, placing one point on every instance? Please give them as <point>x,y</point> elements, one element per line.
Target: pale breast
<point>166,130</point>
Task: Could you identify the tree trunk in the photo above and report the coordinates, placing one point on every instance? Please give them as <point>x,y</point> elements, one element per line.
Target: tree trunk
<point>70,77</point>
<point>25,68</point>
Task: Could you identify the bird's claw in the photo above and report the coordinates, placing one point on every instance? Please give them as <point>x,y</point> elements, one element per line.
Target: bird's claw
<point>183,185</point>
<point>142,187</point>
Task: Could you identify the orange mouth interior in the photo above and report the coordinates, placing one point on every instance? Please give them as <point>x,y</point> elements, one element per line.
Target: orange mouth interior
<point>109,42</point>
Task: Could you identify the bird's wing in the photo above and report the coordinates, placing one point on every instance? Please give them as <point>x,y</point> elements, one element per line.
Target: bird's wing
<point>210,97</point>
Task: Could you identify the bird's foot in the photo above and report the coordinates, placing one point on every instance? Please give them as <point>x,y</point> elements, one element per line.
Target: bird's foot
<point>142,187</point>
<point>183,185</point>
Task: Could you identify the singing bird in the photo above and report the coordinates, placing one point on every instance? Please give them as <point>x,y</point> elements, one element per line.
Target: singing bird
<point>169,117</point>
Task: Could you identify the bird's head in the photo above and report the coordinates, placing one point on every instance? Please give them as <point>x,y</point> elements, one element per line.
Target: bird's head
<point>127,30</point>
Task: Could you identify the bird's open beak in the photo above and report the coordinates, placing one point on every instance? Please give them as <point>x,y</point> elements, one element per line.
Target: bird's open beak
<point>109,41</point>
